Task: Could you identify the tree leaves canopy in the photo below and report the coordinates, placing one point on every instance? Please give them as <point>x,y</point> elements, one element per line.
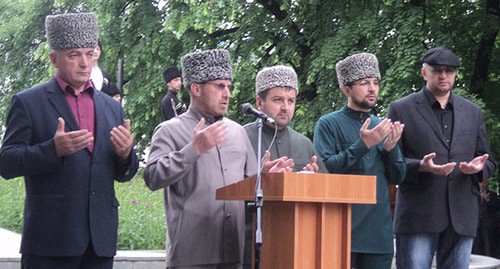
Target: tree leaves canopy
<point>309,35</point>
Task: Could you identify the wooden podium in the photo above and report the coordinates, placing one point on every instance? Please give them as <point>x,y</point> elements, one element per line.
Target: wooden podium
<point>306,218</point>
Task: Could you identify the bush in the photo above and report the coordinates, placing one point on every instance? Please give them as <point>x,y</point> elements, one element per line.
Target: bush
<point>142,216</point>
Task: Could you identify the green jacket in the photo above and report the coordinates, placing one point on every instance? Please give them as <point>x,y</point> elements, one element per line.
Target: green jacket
<point>338,142</point>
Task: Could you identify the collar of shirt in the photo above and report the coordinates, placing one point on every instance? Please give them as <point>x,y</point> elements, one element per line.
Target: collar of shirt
<point>209,119</point>
<point>172,92</point>
<point>356,115</point>
<point>270,130</point>
<point>67,89</point>
<point>433,102</point>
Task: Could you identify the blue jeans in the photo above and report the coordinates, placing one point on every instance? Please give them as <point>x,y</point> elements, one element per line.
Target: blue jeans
<point>417,251</point>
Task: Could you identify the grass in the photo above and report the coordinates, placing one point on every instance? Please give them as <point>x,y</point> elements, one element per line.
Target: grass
<point>142,215</point>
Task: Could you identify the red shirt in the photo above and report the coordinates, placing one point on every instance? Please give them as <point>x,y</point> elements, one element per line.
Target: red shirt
<point>81,105</point>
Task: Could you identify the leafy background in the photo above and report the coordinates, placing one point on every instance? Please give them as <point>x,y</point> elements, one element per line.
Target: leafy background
<point>141,38</point>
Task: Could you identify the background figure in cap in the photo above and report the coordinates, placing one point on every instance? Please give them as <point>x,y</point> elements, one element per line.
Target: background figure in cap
<point>447,154</point>
<point>100,78</point>
<point>70,143</point>
<point>353,141</point>
<point>113,91</point>
<point>170,104</point>
<point>276,90</point>
<point>194,154</point>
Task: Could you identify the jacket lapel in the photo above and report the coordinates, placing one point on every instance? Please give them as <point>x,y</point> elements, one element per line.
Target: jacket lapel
<point>459,117</point>
<point>100,127</point>
<point>428,116</point>
<point>58,100</point>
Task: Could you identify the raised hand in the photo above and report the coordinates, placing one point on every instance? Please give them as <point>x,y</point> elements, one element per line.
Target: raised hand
<point>280,165</point>
<point>474,166</point>
<point>394,135</point>
<point>122,140</point>
<point>427,165</point>
<point>377,134</point>
<point>206,139</point>
<point>67,143</point>
<point>312,166</point>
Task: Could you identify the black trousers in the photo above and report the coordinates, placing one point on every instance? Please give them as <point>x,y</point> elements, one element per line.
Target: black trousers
<point>89,260</point>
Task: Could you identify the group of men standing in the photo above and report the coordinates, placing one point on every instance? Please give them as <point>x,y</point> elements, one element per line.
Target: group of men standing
<point>432,144</point>
<point>70,142</point>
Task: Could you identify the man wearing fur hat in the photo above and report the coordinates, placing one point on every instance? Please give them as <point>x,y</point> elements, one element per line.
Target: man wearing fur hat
<point>171,106</point>
<point>353,141</point>
<point>276,90</point>
<point>447,154</point>
<point>70,142</point>
<point>193,155</point>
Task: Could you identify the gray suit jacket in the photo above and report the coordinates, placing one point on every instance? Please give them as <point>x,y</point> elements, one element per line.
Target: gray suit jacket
<point>426,202</point>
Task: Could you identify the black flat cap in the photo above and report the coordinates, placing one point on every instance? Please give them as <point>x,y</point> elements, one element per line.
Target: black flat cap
<point>171,73</point>
<point>440,56</point>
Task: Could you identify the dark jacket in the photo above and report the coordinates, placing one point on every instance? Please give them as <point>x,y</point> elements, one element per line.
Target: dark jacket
<point>69,200</point>
<point>428,203</point>
<point>171,106</point>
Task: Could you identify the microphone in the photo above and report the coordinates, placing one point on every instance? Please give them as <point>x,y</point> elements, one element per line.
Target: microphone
<point>248,109</point>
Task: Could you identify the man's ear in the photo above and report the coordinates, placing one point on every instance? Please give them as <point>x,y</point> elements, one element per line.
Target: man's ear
<point>53,58</point>
<point>259,102</point>
<point>346,90</point>
<point>195,89</point>
<point>423,72</point>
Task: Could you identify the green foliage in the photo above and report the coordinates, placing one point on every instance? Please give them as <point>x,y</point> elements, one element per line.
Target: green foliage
<point>11,204</point>
<point>141,211</point>
<point>309,35</point>
<point>142,217</point>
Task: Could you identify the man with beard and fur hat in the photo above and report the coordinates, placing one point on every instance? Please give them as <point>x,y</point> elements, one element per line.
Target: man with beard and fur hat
<point>193,155</point>
<point>353,141</point>
<point>70,142</point>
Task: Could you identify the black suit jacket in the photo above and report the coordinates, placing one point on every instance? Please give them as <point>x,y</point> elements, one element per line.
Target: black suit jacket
<point>426,202</point>
<point>167,109</point>
<point>69,200</point>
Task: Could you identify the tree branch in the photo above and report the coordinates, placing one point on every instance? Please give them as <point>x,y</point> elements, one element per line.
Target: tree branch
<point>484,54</point>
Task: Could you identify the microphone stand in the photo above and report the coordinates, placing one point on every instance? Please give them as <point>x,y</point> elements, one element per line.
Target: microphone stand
<point>259,197</point>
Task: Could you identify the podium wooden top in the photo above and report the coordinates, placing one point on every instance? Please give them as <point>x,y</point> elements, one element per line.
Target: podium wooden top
<point>305,187</point>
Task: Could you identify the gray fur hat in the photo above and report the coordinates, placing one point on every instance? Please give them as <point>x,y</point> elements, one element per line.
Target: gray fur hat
<point>203,66</point>
<point>356,67</point>
<point>71,30</point>
<point>275,76</point>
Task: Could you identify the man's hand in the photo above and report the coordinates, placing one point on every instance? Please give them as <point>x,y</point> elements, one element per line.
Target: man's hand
<point>67,143</point>
<point>312,166</point>
<point>206,139</point>
<point>394,135</point>
<point>377,134</point>
<point>474,166</point>
<point>280,165</point>
<point>427,165</point>
<point>122,140</point>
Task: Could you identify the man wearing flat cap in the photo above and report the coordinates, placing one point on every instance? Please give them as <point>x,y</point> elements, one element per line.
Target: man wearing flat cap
<point>193,155</point>
<point>70,143</point>
<point>445,147</point>
<point>171,106</point>
<point>353,141</point>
